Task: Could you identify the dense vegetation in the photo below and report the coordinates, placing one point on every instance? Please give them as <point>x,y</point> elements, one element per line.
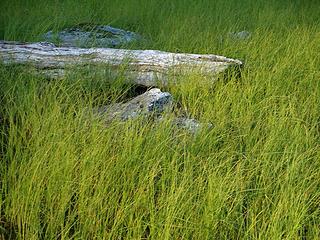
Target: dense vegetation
<point>254,175</point>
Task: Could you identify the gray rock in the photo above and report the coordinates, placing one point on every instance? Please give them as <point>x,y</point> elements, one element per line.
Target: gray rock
<point>152,102</point>
<point>243,35</point>
<point>88,35</point>
<point>191,125</point>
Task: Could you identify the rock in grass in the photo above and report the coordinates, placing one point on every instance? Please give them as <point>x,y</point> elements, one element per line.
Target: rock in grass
<point>243,35</point>
<point>191,125</point>
<point>152,102</point>
<point>89,35</point>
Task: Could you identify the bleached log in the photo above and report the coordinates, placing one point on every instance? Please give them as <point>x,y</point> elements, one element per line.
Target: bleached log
<point>145,67</point>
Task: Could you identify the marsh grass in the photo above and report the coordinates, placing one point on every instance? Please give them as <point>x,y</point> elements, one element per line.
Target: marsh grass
<point>254,175</point>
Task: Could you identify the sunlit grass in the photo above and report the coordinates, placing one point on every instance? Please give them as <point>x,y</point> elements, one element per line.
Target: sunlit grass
<point>254,175</point>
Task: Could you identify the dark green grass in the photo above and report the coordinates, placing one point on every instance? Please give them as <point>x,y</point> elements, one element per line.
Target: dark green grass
<point>254,175</point>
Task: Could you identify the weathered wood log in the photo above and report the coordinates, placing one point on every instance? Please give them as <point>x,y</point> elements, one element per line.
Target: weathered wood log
<point>145,67</point>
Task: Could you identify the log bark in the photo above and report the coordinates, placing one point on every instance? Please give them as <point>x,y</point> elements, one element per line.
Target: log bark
<point>145,67</point>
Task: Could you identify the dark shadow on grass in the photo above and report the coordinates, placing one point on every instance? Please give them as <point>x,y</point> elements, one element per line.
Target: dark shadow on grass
<point>8,229</point>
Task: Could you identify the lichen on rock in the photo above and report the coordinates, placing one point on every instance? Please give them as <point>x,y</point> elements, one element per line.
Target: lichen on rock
<point>89,35</point>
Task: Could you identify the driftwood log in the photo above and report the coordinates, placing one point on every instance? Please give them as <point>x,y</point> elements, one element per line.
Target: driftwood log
<point>145,67</point>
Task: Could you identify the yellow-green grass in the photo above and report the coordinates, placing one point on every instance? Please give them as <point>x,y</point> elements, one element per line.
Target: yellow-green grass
<point>254,175</point>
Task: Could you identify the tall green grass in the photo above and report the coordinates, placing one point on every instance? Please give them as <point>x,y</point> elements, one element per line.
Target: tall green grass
<point>254,175</point>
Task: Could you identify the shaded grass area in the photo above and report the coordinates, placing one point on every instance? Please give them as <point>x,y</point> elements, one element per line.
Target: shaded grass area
<point>254,175</point>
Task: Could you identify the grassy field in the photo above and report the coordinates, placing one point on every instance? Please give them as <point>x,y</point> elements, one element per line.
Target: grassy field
<point>254,175</point>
